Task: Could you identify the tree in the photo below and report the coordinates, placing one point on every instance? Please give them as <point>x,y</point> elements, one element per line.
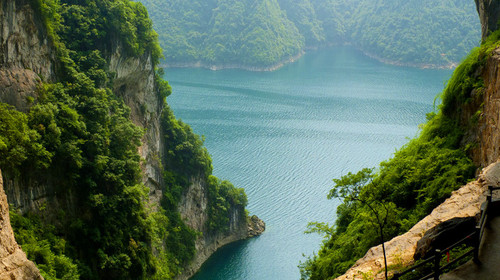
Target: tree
<point>358,190</point>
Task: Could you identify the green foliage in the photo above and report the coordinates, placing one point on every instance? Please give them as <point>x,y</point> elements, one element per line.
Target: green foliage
<point>185,155</point>
<point>78,137</point>
<point>42,245</point>
<point>266,32</point>
<point>222,197</point>
<point>419,32</point>
<point>19,144</point>
<point>163,88</point>
<point>99,24</point>
<point>49,13</point>
<point>420,175</point>
<point>227,32</point>
<point>186,158</point>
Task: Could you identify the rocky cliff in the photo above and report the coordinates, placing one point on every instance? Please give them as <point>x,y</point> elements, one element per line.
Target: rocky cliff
<point>193,208</point>
<point>26,55</point>
<point>135,83</point>
<point>489,14</point>
<point>13,262</point>
<point>27,59</point>
<point>485,135</point>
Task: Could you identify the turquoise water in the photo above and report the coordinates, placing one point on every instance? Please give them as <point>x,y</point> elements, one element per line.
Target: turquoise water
<point>285,135</point>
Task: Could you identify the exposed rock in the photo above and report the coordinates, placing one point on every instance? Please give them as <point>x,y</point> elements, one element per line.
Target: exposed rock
<point>26,55</point>
<point>193,206</point>
<point>444,235</point>
<point>256,226</point>
<point>484,136</point>
<point>489,14</point>
<point>464,202</point>
<point>13,262</point>
<point>27,60</point>
<point>193,209</point>
<point>134,82</point>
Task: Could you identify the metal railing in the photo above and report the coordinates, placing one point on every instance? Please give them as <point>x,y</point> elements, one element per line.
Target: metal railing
<point>435,260</point>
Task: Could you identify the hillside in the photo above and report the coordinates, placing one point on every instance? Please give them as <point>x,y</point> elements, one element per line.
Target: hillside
<point>100,174</point>
<point>230,33</point>
<point>261,35</point>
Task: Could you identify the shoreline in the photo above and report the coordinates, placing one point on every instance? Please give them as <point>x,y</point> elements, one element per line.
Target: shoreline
<point>274,67</point>
<point>217,67</point>
<point>450,66</point>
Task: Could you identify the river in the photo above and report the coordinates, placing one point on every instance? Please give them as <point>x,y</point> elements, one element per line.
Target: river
<point>284,135</point>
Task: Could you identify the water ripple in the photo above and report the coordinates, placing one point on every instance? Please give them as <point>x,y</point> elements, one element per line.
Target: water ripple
<point>285,135</point>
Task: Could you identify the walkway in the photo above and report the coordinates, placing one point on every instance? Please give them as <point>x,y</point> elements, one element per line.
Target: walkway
<point>489,256</point>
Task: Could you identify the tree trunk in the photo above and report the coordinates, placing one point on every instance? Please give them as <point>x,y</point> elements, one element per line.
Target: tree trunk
<point>383,250</point>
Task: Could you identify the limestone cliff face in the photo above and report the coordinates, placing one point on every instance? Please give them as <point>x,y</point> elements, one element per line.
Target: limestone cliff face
<point>27,59</point>
<point>26,55</point>
<point>193,208</point>
<point>486,134</point>
<point>13,262</point>
<point>135,83</point>
<point>489,14</point>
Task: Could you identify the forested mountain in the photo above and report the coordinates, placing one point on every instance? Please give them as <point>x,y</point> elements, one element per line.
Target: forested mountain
<point>416,32</point>
<point>251,33</point>
<point>263,33</point>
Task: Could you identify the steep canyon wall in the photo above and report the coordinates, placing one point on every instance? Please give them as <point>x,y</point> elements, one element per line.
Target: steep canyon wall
<point>28,59</point>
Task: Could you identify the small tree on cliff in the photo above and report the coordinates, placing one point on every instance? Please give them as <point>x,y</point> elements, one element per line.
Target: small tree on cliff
<point>360,190</point>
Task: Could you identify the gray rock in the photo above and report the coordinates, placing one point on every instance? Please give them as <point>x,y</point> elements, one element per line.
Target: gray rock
<point>444,235</point>
<point>489,14</point>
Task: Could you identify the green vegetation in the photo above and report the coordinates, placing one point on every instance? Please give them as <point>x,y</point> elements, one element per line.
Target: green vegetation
<point>419,32</point>
<point>266,32</point>
<point>227,32</point>
<point>78,137</point>
<point>420,176</point>
<point>44,247</point>
<point>222,196</point>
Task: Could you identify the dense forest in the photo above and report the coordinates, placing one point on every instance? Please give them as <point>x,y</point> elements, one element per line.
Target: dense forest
<point>78,136</point>
<point>264,33</point>
<point>406,188</point>
<point>253,33</point>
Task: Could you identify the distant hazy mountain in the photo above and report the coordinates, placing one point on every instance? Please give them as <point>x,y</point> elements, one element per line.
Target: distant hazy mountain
<point>263,33</point>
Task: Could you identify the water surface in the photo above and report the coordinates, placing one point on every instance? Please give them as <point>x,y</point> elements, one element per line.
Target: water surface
<point>285,135</point>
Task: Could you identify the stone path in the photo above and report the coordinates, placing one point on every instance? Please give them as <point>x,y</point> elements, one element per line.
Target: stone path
<point>489,269</point>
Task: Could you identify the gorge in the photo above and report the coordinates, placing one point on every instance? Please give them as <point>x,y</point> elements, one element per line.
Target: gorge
<point>104,182</point>
<point>285,134</point>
